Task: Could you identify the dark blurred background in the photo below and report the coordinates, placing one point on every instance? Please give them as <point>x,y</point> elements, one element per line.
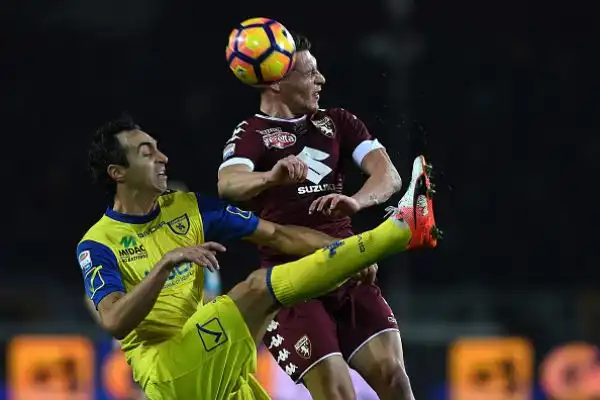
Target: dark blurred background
<point>499,95</point>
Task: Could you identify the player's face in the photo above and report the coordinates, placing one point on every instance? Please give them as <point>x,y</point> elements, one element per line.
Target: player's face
<point>147,165</point>
<point>300,89</point>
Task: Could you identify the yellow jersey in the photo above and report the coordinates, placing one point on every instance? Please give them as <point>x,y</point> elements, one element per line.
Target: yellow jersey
<point>120,250</point>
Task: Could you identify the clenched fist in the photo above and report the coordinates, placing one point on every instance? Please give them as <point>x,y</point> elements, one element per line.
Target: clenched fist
<point>288,170</point>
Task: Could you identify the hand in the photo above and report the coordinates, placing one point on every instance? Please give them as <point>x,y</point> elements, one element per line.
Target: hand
<point>289,170</point>
<point>204,254</point>
<point>334,204</point>
<point>367,275</point>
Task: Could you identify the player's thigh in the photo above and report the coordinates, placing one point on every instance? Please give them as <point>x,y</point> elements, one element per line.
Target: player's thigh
<point>211,359</point>
<point>361,314</point>
<point>370,338</point>
<point>300,337</point>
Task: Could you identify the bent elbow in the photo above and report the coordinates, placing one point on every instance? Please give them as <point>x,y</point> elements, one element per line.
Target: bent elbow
<point>117,332</point>
<point>395,181</point>
<point>222,188</point>
<point>225,191</point>
<point>119,335</point>
<point>116,329</point>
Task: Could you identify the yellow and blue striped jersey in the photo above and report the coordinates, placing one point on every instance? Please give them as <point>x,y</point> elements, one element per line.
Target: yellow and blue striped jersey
<point>120,250</point>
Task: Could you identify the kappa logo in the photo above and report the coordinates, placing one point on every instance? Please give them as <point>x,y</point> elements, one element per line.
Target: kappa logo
<point>279,140</point>
<point>325,125</point>
<point>303,347</point>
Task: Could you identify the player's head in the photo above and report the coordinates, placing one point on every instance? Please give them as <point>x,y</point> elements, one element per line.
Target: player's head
<point>122,154</point>
<point>299,90</point>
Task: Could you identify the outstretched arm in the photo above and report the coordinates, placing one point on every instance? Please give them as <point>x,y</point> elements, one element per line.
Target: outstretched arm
<point>289,239</point>
<point>223,222</point>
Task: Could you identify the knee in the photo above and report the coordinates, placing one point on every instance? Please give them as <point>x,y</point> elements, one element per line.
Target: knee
<point>391,375</point>
<point>257,281</point>
<point>335,390</point>
<point>252,290</point>
<point>330,384</point>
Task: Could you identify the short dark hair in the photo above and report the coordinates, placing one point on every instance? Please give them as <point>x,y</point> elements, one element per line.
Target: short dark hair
<point>301,41</point>
<point>106,149</point>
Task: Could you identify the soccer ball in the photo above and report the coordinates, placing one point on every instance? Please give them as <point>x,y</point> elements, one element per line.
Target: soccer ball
<point>260,51</point>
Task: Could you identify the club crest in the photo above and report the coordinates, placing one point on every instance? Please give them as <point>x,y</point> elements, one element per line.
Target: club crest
<point>303,347</point>
<point>325,125</point>
<point>180,225</point>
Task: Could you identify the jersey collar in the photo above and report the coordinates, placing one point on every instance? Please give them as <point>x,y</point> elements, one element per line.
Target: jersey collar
<point>133,219</point>
<point>262,115</point>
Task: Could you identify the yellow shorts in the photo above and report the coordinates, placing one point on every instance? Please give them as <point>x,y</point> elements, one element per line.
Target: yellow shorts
<point>214,358</point>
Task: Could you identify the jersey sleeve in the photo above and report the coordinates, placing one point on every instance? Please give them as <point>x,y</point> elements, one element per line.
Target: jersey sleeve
<point>245,147</point>
<point>100,270</point>
<point>356,139</point>
<point>222,222</point>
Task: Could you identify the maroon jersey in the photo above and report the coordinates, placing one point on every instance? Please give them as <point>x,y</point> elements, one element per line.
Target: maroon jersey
<point>326,141</point>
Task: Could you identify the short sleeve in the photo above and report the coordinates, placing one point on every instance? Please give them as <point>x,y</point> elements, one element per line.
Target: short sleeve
<point>100,270</point>
<point>245,147</point>
<point>356,140</point>
<point>223,222</point>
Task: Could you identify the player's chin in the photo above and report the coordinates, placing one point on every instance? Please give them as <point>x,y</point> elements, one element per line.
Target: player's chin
<point>162,185</point>
<point>312,106</point>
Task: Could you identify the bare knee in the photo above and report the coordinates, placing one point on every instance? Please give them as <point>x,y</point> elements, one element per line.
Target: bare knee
<point>255,302</point>
<point>330,381</point>
<point>389,375</point>
<point>253,289</point>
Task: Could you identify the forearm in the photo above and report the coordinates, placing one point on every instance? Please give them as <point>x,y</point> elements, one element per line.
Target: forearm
<point>299,240</point>
<point>243,185</point>
<point>130,310</point>
<point>378,188</point>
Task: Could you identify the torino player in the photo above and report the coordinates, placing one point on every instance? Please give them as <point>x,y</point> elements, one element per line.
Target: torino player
<point>289,160</point>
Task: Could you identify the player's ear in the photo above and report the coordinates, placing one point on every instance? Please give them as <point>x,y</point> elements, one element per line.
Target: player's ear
<point>116,172</point>
<point>276,87</point>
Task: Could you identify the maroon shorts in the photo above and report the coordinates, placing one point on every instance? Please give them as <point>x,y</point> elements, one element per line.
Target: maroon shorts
<point>338,323</point>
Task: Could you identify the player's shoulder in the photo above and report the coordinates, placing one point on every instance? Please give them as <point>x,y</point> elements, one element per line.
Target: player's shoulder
<point>174,202</point>
<point>170,196</point>
<point>254,124</point>
<point>106,232</point>
<point>333,122</point>
<point>336,113</point>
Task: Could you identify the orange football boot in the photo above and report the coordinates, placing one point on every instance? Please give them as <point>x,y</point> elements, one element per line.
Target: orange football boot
<point>416,207</point>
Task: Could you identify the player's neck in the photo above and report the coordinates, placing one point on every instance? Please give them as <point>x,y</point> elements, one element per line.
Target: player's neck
<point>276,109</point>
<point>134,202</point>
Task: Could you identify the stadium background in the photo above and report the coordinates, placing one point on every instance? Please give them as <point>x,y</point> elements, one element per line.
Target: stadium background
<point>498,94</point>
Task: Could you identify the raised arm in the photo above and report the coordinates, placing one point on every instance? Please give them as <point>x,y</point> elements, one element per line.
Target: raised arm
<point>382,182</point>
<point>238,183</point>
<point>121,311</point>
<point>118,312</point>
<point>371,157</point>
<point>237,179</point>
